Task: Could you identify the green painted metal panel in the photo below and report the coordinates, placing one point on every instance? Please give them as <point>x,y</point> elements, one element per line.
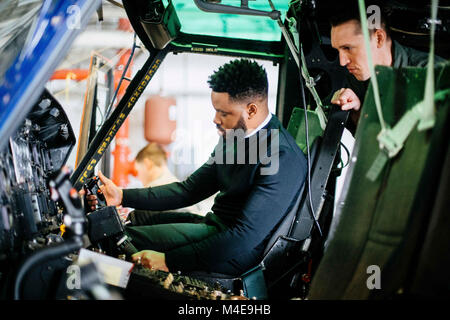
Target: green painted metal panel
<point>376,218</point>
<point>296,127</point>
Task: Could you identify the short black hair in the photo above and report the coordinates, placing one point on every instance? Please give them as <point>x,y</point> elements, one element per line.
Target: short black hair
<point>241,79</point>
<point>349,10</point>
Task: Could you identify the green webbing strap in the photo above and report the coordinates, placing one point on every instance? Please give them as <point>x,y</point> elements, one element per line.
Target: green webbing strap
<point>310,83</point>
<point>442,95</point>
<point>392,140</point>
<point>382,157</point>
<point>373,78</point>
<point>427,108</point>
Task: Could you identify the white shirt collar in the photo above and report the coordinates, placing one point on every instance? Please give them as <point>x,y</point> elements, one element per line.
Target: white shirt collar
<point>266,121</point>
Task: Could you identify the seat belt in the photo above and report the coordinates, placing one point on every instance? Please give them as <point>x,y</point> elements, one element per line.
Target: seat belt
<point>294,49</point>
<point>310,83</point>
<point>391,140</point>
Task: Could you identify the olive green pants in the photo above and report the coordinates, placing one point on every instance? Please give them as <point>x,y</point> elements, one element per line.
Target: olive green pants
<point>163,231</point>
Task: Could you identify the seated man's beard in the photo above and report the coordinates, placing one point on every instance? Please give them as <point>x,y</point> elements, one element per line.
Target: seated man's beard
<point>241,125</point>
<point>230,132</point>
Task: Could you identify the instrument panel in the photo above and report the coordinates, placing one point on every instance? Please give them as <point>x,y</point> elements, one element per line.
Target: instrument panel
<point>29,218</point>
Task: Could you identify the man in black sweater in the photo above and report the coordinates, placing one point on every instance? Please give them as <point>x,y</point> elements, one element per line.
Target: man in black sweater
<point>257,168</point>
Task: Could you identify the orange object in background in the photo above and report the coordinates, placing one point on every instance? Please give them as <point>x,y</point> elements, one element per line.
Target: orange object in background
<point>158,127</point>
<point>122,165</point>
<point>73,74</point>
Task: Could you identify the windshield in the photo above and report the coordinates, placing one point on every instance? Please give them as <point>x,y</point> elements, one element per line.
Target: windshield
<point>16,19</point>
<point>195,21</point>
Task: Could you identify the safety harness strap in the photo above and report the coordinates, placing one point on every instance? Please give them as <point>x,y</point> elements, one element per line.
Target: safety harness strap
<point>310,83</point>
<point>391,141</point>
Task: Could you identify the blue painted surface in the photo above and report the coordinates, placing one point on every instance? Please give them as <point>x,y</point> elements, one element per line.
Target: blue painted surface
<point>57,24</point>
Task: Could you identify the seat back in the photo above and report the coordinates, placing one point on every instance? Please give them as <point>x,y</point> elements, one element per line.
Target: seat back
<point>294,242</point>
<point>286,223</point>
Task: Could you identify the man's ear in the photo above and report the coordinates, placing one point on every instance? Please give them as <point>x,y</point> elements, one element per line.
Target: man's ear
<point>380,36</point>
<point>252,109</point>
<point>149,164</point>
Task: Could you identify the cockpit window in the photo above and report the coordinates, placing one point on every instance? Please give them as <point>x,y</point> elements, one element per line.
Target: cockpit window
<point>16,19</point>
<point>195,21</point>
